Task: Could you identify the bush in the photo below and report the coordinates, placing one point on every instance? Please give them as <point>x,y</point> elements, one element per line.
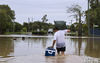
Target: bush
<point>39,33</point>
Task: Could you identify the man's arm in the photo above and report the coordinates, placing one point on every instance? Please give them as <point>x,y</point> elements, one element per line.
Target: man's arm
<point>54,41</point>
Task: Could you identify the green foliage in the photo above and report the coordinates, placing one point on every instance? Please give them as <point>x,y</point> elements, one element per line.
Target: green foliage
<point>17,27</point>
<point>39,33</point>
<point>8,33</point>
<point>44,18</point>
<point>33,26</point>
<point>72,28</point>
<point>84,29</point>
<point>24,29</point>
<point>25,25</point>
<point>6,17</point>
<point>94,4</point>
<point>94,13</point>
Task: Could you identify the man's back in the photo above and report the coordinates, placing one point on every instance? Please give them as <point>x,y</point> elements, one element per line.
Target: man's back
<point>60,36</point>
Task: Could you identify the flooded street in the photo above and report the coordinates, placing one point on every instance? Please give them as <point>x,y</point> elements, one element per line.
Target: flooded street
<point>32,50</point>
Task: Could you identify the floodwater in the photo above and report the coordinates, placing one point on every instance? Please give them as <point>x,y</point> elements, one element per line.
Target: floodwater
<point>32,50</point>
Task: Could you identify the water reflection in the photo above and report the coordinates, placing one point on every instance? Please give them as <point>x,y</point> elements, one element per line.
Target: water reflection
<point>92,47</point>
<point>56,59</point>
<point>44,42</point>
<point>37,45</point>
<point>79,45</point>
<point>86,47</point>
<point>6,47</point>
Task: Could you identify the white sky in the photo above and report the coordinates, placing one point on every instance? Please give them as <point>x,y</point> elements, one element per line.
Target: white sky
<point>55,9</point>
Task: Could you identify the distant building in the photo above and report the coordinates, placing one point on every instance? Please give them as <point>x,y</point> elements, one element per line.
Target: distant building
<point>50,30</point>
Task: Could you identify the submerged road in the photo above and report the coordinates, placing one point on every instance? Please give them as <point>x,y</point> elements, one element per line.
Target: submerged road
<point>22,47</point>
<point>55,59</point>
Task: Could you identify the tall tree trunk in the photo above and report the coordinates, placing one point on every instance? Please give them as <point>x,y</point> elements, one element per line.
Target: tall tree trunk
<point>80,25</point>
<point>97,1</point>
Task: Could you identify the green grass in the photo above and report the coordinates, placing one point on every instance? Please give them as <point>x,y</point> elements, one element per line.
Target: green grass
<point>8,33</point>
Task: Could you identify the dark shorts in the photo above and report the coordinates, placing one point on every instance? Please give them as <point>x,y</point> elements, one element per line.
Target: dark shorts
<point>61,49</point>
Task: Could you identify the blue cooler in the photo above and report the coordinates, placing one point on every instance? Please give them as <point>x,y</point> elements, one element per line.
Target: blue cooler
<point>50,52</point>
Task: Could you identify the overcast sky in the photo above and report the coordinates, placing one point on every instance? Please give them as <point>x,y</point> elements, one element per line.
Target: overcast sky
<point>55,9</point>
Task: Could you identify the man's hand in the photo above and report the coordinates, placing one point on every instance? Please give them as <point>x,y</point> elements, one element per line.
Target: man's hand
<point>50,47</point>
<point>68,30</point>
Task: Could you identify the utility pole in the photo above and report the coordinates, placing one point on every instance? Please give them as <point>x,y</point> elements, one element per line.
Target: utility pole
<point>32,24</point>
<point>71,25</point>
<point>88,19</point>
<point>28,24</point>
<point>71,22</point>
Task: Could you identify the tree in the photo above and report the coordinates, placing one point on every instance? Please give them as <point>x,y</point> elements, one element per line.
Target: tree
<point>38,25</point>
<point>85,29</point>
<point>24,29</point>
<point>44,19</point>
<point>18,27</point>
<point>94,3</point>
<point>25,25</point>
<point>94,13</point>
<point>76,9</point>
<point>6,18</point>
<point>72,28</point>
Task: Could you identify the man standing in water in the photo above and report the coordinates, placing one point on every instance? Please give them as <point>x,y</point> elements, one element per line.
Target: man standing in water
<point>59,39</point>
